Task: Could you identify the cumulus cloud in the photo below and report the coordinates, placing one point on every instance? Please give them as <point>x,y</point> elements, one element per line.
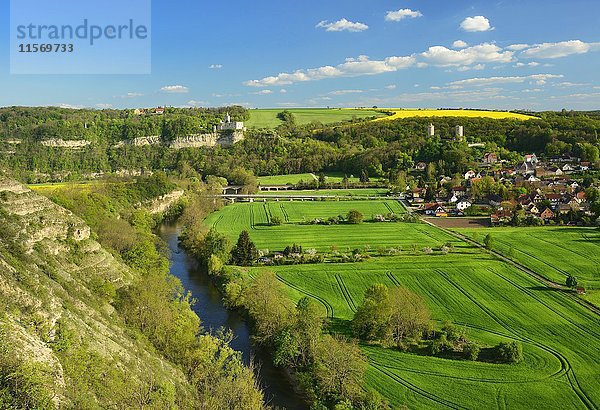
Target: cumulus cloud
<point>477,82</point>
<point>104,106</point>
<point>560,49</point>
<point>530,64</point>
<point>283,91</point>
<point>196,103</point>
<point>476,23</point>
<point>132,95</point>
<point>391,87</point>
<point>263,92</point>
<point>215,66</point>
<point>402,14</point>
<point>342,25</point>
<point>459,44</point>
<point>482,53</point>
<point>352,67</point>
<point>175,89</point>
<point>518,47</point>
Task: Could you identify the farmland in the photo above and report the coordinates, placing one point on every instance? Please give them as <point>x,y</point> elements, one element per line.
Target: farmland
<point>399,113</point>
<point>493,300</point>
<point>291,179</point>
<point>350,192</point>
<point>267,118</point>
<point>554,252</point>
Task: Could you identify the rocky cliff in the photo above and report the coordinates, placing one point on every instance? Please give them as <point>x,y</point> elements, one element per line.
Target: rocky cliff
<point>56,288</point>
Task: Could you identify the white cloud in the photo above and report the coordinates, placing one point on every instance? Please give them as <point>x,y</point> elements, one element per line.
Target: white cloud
<point>518,47</point>
<point>570,84</point>
<point>344,92</point>
<point>477,23</point>
<point>342,25</point>
<point>477,82</point>
<point>103,106</point>
<point>391,87</point>
<point>459,44</point>
<point>475,67</point>
<point>482,53</point>
<point>175,89</point>
<point>283,91</point>
<point>215,66</point>
<point>532,90</point>
<point>560,49</point>
<point>196,103</point>
<point>68,106</point>
<point>132,95</point>
<point>402,14</point>
<point>263,92</point>
<point>352,67</point>
<point>530,64</point>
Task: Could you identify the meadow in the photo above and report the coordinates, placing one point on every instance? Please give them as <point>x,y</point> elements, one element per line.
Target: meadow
<point>493,300</point>
<point>350,192</point>
<point>267,118</point>
<point>292,179</point>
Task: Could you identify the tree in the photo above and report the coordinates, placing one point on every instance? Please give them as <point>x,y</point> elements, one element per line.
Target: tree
<point>488,241</point>
<point>244,253</point>
<point>571,281</point>
<point>372,318</point>
<point>510,352</point>
<point>410,316</point>
<point>276,221</point>
<point>339,369</point>
<point>354,217</point>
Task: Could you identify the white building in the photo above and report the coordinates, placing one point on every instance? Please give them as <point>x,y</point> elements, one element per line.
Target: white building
<point>228,125</point>
<point>430,130</point>
<point>463,205</point>
<point>459,131</point>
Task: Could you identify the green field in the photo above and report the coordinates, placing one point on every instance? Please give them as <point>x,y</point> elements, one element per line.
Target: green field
<point>255,217</point>
<point>267,118</point>
<point>493,300</point>
<point>353,192</point>
<point>554,252</point>
<point>290,179</point>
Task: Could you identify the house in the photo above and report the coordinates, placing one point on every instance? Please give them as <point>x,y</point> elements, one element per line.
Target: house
<point>568,167</point>
<point>158,111</point>
<point>532,209</point>
<point>555,171</point>
<point>580,290</point>
<point>228,125</point>
<point>463,204</point>
<point>495,200</point>
<point>554,199</point>
<point>532,178</point>
<point>564,209</point>
<point>435,209</point>
<point>470,174</point>
<point>547,214</point>
<point>531,159</point>
<point>420,166</point>
<point>490,158</point>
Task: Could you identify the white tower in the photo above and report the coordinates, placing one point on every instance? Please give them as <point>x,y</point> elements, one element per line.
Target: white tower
<point>227,118</point>
<point>459,131</point>
<point>430,130</point>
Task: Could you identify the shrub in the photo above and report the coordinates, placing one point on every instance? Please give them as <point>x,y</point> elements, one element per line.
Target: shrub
<point>510,352</point>
<point>471,351</point>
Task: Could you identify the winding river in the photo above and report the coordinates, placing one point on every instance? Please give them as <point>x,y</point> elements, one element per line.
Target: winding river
<point>213,315</point>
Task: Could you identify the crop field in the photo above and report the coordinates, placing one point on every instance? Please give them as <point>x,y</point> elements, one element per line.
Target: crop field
<point>267,118</point>
<point>351,192</point>
<point>554,252</point>
<point>50,187</point>
<point>409,113</point>
<point>291,179</point>
<point>495,303</point>
<point>255,218</point>
<point>493,300</point>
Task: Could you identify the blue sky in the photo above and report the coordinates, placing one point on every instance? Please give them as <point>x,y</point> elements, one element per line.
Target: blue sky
<point>265,53</point>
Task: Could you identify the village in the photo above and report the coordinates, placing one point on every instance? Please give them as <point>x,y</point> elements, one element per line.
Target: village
<point>534,191</point>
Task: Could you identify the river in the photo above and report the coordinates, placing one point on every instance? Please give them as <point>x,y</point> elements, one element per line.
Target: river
<point>213,315</point>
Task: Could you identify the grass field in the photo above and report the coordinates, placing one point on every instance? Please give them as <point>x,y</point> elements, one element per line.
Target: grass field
<point>408,113</point>
<point>49,187</point>
<point>554,252</point>
<point>358,192</point>
<point>292,179</point>
<point>493,300</point>
<point>255,217</point>
<point>267,118</point>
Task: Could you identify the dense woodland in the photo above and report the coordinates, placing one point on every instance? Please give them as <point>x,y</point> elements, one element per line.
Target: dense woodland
<point>378,148</point>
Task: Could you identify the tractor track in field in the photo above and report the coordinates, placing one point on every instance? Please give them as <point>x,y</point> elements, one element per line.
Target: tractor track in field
<point>267,210</point>
<point>389,207</point>
<point>410,386</point>
<point>345,292</point>
<point>216,222</point>
<point>522,268</point>
<point>328,306</point>
<point>566,365</point>
<point>252,225</point>
<point>284,212</point>
<point>392,278</point>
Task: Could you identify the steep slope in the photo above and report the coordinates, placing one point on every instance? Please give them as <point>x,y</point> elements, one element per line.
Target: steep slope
<point>59,333</point>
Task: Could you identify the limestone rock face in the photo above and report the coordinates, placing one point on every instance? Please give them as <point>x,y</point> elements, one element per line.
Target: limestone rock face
<point>69,144</point>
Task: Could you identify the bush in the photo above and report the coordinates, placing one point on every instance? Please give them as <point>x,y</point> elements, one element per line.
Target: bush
<point>276,221</point>
<point>354,217</point>
<point>471,351</point>
<point>510,352</point>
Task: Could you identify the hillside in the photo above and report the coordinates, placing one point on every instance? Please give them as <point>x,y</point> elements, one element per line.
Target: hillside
<point>58,326</point>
